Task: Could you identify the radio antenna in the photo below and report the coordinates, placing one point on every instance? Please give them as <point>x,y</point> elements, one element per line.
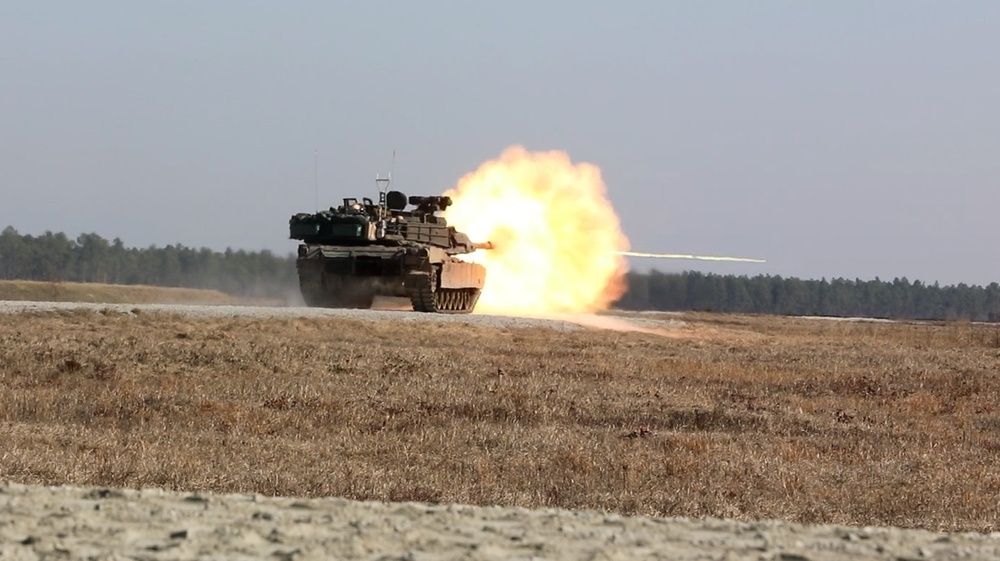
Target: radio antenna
<point>383,186</point>
<point>382,182</point>
<point>316,176</point>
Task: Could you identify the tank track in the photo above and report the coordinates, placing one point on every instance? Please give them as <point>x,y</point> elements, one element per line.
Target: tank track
<point>427,297</point>
<point>351,293</point>
<point>312,290</point>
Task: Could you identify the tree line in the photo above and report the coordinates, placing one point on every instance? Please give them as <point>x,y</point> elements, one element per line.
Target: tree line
<point>262,274</point>
<point>766,294</point>
<point>55,257</point>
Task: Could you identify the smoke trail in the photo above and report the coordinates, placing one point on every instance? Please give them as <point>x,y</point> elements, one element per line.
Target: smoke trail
<point>686,256</point>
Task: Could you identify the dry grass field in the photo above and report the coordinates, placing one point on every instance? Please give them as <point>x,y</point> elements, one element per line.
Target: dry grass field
<point>728,416</point>
<point>36,291</point>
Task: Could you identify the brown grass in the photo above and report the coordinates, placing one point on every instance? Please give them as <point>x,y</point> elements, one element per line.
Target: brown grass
<point>35,291</point>
<point>810,421</point>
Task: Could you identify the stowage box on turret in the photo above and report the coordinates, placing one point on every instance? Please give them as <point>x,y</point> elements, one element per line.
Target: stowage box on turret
<point>360,250</point>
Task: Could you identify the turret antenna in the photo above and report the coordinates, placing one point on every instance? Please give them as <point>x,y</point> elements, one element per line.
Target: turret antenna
<point>383,186</point>
<point>316,176</point>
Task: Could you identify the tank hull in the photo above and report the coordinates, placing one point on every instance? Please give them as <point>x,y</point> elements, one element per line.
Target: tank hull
<point>352,276</point>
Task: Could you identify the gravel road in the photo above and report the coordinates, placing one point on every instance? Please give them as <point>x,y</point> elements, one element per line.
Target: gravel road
<point>389,310</point>
<point>90,523</point>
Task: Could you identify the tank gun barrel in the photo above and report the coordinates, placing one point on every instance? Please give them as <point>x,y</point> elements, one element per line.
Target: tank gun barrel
<point>482,245</point>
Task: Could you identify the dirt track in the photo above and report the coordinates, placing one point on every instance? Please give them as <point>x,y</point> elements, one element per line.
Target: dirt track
<point>389,311</point>
<point>79,523</point>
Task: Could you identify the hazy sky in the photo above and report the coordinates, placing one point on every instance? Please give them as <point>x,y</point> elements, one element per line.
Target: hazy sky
<point>837,139</point>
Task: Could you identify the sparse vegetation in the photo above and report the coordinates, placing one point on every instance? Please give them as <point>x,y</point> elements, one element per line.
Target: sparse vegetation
<point>730,416</point>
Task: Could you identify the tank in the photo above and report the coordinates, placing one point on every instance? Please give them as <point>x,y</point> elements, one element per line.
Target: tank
<point>397,247</point>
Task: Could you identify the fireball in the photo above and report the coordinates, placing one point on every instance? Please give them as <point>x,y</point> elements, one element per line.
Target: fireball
<point>557,239</point>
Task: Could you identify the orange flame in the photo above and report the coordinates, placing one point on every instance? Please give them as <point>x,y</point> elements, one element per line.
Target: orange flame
<point>555,234</point>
